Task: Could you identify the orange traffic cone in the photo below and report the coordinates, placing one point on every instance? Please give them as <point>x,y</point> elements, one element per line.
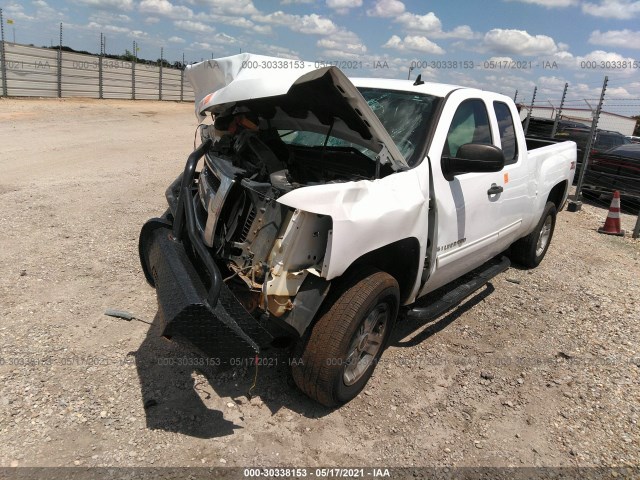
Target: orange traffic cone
<point>612,223</point>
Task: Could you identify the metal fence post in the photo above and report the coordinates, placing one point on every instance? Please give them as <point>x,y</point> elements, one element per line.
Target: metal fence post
<point>182,80</point>
<point>530,109</point>
<point>133,70</point>
<point>636,230</point>
<point>60,64</point>
<point>555,123</point>
<point>576,204</point>
<point>3,64</point>
<point>160,75</point>
<point>100,87</point>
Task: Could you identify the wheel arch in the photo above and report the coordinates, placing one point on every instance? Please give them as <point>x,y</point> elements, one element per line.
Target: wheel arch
<point>399,259</point>
<point>558,194</point>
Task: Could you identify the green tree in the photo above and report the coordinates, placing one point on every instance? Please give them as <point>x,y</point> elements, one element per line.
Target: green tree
<point>636,131</point>
<point>128,56</point>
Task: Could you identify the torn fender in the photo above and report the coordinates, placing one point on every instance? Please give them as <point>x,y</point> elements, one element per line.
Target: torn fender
<point>366,215</point>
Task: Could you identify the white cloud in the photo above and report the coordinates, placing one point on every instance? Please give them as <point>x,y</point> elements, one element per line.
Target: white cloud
<point>463,32</point>
<point>151,20</point>
<point>175,39</point>
<point>275,50</point>
<point>430,24</point>
<point>214,19</point>
<point>619,9</point>
<point>414,42</point>
<point>108,4</point>
<point>43,9</point>
<point>386,8</point>
<point>294,2</point>
<point>343,6</point>
<point>98,27</point>
<point>312,24</point>
<point>203,46</point>
<point>601,56</point>
<point>262,29</point>
<point>343,44</point>
<point>109,28</point>
<point>424,23</point>
<point>518,42</point>
<point>15,11</point>
<point>191,26</point>
<point>616,38</point>
<point>552,87</point>
<point>550,3</point>
<point>232,7</point>
<point>224,39</point>
<point>233,20</point>
<point>106,17</point>
<point>166,8</point>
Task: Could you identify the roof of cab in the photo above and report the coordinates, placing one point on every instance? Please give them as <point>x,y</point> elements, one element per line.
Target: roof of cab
<point>436,89</point>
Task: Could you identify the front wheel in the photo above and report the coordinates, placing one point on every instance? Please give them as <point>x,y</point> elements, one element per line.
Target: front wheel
<point>334,361</point>
<point>530,250</point>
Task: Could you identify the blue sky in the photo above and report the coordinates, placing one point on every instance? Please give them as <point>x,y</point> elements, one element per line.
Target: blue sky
<point>565,35</point>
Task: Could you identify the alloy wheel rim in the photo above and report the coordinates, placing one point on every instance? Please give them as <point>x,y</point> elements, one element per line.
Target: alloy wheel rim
<point>543,238</point>
<point>366,344</point>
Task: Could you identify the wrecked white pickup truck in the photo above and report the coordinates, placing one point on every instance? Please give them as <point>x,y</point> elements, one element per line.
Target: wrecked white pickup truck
<point>325,204</point>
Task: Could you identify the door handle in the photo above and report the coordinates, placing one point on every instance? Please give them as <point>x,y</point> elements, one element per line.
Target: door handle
<point>494,190</point>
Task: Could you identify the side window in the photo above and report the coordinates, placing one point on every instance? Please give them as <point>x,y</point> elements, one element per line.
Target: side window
<point>507,133</point>
<point>470,124</point>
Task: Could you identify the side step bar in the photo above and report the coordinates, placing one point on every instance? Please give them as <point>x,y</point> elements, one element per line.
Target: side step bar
<point>455,296</point>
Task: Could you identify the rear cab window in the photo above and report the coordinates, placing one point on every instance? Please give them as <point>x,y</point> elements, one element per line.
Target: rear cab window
<point>507,132</point>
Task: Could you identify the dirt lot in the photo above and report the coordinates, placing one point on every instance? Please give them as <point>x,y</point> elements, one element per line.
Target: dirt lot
<point>540,368</point>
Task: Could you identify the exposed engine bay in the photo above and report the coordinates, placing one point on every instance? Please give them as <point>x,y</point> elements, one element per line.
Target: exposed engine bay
<point>267,249</point>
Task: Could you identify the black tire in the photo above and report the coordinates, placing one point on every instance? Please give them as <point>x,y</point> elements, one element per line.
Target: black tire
<point>368,299</point>
<point>526,251</point>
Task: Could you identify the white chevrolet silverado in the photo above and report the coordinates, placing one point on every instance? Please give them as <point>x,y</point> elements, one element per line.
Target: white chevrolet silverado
<point>325,204</point>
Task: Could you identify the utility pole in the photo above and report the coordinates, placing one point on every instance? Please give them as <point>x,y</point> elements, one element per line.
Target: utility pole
<point>60,64</point>
<point>533,99</point>
<point>3,62</point>
<point>576,204</point>
<point>182,79</point>
<point>160,74</point>
<point>100,74</point>
<point>133,70</point>
<point>515,97</point>
<point>559,113</point>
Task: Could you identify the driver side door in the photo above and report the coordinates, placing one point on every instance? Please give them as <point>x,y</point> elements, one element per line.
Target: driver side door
<point>469,205</point>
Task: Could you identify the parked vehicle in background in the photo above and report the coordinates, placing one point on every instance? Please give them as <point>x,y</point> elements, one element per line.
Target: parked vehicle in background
<point>615,169</point>
<point>543,127</point>
<point>605,140</point>
<point>633,139</point>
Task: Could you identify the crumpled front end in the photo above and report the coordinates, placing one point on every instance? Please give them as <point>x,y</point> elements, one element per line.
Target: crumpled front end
<point>194,304</point>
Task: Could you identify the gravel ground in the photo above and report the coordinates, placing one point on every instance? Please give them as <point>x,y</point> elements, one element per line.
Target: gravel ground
<point>540,368</point>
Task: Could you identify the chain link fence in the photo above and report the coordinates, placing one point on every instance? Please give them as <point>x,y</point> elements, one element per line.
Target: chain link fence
<point>40,72</point>
<point>603,129</point>
<point>29,71</point>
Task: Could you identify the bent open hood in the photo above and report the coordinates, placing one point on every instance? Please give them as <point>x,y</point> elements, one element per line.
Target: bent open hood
<point>292,94</point>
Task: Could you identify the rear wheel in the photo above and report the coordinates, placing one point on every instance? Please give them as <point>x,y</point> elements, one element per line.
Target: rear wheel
<point>334,361</point>
<point>530,250</point>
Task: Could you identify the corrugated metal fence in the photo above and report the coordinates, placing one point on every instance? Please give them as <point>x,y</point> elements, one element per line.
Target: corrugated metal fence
<point>42,72</point>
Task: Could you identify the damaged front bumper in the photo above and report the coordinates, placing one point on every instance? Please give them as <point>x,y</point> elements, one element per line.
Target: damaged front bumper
<point>194,304</point>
